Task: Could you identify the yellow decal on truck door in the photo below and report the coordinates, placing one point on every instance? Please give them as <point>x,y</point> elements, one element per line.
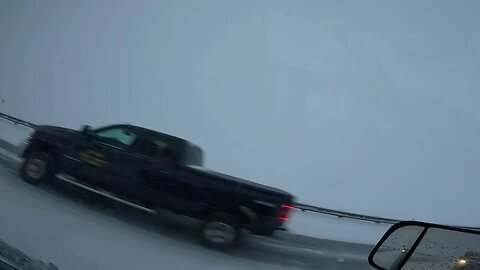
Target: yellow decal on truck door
<point>93,157</point>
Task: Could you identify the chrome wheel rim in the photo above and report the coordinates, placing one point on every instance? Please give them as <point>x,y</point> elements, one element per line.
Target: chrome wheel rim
<point>219,232</point>
<point>36,168</point>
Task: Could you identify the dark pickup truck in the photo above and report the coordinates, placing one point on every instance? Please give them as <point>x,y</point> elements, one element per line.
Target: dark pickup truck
<point>150,171</point>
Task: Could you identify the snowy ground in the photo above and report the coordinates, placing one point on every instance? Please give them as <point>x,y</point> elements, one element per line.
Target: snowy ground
<point>56,224</point>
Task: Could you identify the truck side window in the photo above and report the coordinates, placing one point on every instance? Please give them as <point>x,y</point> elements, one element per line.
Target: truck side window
<point>145,147</point>
<point>117,136</point>
<point>152,148</point>
<point>163,149</point>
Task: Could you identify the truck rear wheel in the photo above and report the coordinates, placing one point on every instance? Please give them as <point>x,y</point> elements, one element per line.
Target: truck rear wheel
<point>38,168</point>
<point>220,231</point>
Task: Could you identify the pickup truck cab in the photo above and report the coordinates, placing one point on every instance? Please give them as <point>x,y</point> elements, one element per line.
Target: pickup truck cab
<point>150,171</point>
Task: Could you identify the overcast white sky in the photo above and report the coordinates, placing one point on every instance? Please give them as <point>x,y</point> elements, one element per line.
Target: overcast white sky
<point>365,106</point>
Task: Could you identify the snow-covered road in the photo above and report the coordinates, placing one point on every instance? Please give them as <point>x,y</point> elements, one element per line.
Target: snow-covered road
<point>55,224</point>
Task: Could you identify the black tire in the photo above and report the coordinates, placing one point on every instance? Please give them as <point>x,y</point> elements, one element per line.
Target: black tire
<point>220,231</point>
<point>44,166</point>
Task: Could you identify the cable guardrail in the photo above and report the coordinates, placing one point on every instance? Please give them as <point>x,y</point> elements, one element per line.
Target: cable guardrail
<point>366,218</point>
<point>300,206</point>
<point>341,214</point>
<point>17,121</point>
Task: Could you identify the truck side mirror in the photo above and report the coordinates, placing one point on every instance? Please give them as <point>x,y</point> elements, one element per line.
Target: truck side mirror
<point>85,129</point>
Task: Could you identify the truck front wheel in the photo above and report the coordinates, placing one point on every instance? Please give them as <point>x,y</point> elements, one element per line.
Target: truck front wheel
<point>37,168</point>
<point>220,231</point>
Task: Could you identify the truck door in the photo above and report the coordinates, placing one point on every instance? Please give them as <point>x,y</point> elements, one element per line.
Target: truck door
<point>149,172</point>
<point>86,161</point>
<point>152,179</point>
<point>97,156</point>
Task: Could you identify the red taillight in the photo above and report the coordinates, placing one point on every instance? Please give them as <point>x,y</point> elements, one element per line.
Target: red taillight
<point>284,211</point>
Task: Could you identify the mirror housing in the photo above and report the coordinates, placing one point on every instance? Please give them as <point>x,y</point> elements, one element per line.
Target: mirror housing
<point>85,130</point>
<point>419,245</point>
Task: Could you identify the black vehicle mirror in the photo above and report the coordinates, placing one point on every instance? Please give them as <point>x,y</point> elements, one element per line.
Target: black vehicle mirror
<point>85,129</point>
<point>419,245</point>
